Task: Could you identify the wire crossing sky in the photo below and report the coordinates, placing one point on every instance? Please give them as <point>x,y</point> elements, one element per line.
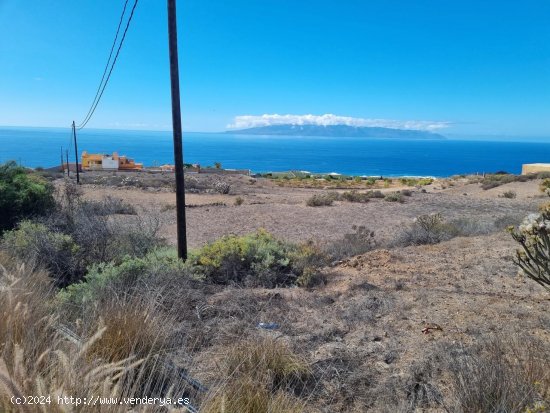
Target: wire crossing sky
<point>471,67</point>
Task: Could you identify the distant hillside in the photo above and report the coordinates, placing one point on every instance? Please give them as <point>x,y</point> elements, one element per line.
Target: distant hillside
<point>338,131</point>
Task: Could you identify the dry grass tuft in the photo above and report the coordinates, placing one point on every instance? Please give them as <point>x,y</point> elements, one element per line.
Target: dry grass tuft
<point>256,377</point>
<point>249,396</point>
<point>132,329</point>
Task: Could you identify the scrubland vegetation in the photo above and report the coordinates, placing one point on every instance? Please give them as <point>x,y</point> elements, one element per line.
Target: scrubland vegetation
<point>95,302</point>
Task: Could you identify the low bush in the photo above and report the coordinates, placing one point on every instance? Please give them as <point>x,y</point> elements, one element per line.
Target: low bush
<point>354,196</point>
<point>358,242</point>
<point>239,201</point>
<point>36,243</point>
<point>222,187</point>
<point>22,195</point>
<point>325,199</point>
<point>494,180</point>
<point>126,278</point>
<point>426,229</point>
<point>490,184</point>
<point>258,259</point>
<point>433,228</point>
<point>110,206</point>
<point>545,186</point>
<point>78,234</point>
<point>509,194</point>
<point>375,194</point>
<point>394,197</point>
<point>406,192</point>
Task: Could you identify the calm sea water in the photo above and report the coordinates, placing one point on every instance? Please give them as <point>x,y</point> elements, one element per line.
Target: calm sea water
<point>389,157</point>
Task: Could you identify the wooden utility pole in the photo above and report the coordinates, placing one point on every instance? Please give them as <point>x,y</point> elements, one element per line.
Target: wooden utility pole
<point>75,155</point>
<point>68,167</point>
<point>176,126</point>
<point>62,162</point>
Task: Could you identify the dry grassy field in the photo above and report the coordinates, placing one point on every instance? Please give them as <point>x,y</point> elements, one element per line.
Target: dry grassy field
<point>391,322</point>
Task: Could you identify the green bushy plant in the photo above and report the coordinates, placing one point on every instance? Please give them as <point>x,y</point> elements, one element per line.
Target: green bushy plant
<point>123,277</point>
<point>257,259</point>
<point>533,258</point>
<point>22,195</point>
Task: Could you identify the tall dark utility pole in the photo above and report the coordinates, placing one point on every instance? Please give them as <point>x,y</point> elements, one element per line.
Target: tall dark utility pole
<point>75,155</point>
<point>176,126</point>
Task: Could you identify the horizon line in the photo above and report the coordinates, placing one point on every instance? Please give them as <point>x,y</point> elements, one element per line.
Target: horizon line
<point>461,134</point>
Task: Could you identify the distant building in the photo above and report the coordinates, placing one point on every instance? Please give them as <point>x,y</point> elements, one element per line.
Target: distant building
<point>532,168</point>
<point>102,162</point>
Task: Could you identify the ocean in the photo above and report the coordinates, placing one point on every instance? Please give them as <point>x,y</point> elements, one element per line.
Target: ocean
<point>34,147</point>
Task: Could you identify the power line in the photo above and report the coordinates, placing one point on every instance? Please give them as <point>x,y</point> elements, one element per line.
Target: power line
<point>96,101</point>
<point>108,60</point>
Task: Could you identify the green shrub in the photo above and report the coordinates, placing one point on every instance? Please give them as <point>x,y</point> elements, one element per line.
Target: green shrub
<point>122,278</point>
<point>425,181</point>
<point>257,259</point>
<point>534,256</point>
<point>409,181</point>
<point>394,197</point>
<point>239,201</point>
<point>22,195</point>
<point>80,233</point>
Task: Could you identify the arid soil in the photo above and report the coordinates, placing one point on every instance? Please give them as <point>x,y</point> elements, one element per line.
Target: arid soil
<point>283,211</point>
<point>374,328</point>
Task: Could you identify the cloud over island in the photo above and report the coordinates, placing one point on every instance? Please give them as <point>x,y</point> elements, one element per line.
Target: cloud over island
<point>253,121</point>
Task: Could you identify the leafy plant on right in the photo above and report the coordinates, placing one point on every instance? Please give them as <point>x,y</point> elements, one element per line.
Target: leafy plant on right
<point>533,257</point>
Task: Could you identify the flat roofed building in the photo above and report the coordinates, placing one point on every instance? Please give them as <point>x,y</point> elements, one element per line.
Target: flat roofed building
<point>103,162</point>
<point>533,168</point>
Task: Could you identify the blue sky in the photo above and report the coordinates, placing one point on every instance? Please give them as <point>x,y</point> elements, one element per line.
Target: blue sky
<point>475,67</point>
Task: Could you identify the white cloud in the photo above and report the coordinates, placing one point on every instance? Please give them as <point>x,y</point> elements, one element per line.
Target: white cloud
<point>252,121</point>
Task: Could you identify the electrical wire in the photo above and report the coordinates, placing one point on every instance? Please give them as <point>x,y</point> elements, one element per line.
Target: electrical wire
<point>108,60</point>
<point>104,83</point>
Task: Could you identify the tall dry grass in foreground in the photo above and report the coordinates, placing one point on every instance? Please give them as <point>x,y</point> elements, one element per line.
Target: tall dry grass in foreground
<point>36,358</point>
